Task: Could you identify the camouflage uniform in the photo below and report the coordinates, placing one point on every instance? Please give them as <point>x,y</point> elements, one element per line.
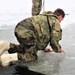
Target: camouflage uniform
<point>34,34</point>
<point>36,7</point>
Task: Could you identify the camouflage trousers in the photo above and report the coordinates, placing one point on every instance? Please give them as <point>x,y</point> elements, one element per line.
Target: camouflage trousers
<point>26,55</point>
<point>26,49</point>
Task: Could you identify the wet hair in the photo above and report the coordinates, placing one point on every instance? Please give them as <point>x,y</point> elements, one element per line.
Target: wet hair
<point>59,12</point>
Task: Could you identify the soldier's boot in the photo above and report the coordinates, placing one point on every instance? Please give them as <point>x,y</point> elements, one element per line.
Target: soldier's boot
<point>7,58</point>
<point>4,46</point>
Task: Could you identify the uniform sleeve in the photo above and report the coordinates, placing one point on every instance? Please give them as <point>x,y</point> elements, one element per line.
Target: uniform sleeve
<point>36,7</point>
<point>56,36</point>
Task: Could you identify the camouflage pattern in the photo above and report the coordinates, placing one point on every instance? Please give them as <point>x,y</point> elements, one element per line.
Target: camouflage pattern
<point>56,34</point>
<point>36,7</point>
<point>34,34</point>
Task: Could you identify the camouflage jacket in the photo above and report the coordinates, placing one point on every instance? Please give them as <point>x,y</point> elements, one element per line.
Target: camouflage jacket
<point>45,33</point>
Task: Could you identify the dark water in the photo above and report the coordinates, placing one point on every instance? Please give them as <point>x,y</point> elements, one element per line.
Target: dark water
<point>17,70</point>
<point>48,63</point>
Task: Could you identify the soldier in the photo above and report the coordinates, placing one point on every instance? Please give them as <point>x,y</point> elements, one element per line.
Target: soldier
<point>34,34</point>
<point>36,7</point>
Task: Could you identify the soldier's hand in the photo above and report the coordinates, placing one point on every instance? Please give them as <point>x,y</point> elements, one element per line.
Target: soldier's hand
<point>61,51</point>
<point>48,49</point>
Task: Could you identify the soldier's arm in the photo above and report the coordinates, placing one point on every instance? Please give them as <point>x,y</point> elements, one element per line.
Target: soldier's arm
<point>56,35</point>
<point>36,7</point>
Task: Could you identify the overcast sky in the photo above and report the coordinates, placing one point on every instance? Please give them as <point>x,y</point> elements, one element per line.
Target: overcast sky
<point>25,5</point>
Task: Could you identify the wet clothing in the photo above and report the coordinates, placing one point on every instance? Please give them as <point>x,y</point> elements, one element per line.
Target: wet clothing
<point>36,7</point>
<point>34,34</point>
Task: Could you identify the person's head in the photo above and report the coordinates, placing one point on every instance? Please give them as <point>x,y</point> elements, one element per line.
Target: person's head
<point>60,14</point>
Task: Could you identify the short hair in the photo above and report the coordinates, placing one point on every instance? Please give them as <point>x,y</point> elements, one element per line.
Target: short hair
<point>59,12</point>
